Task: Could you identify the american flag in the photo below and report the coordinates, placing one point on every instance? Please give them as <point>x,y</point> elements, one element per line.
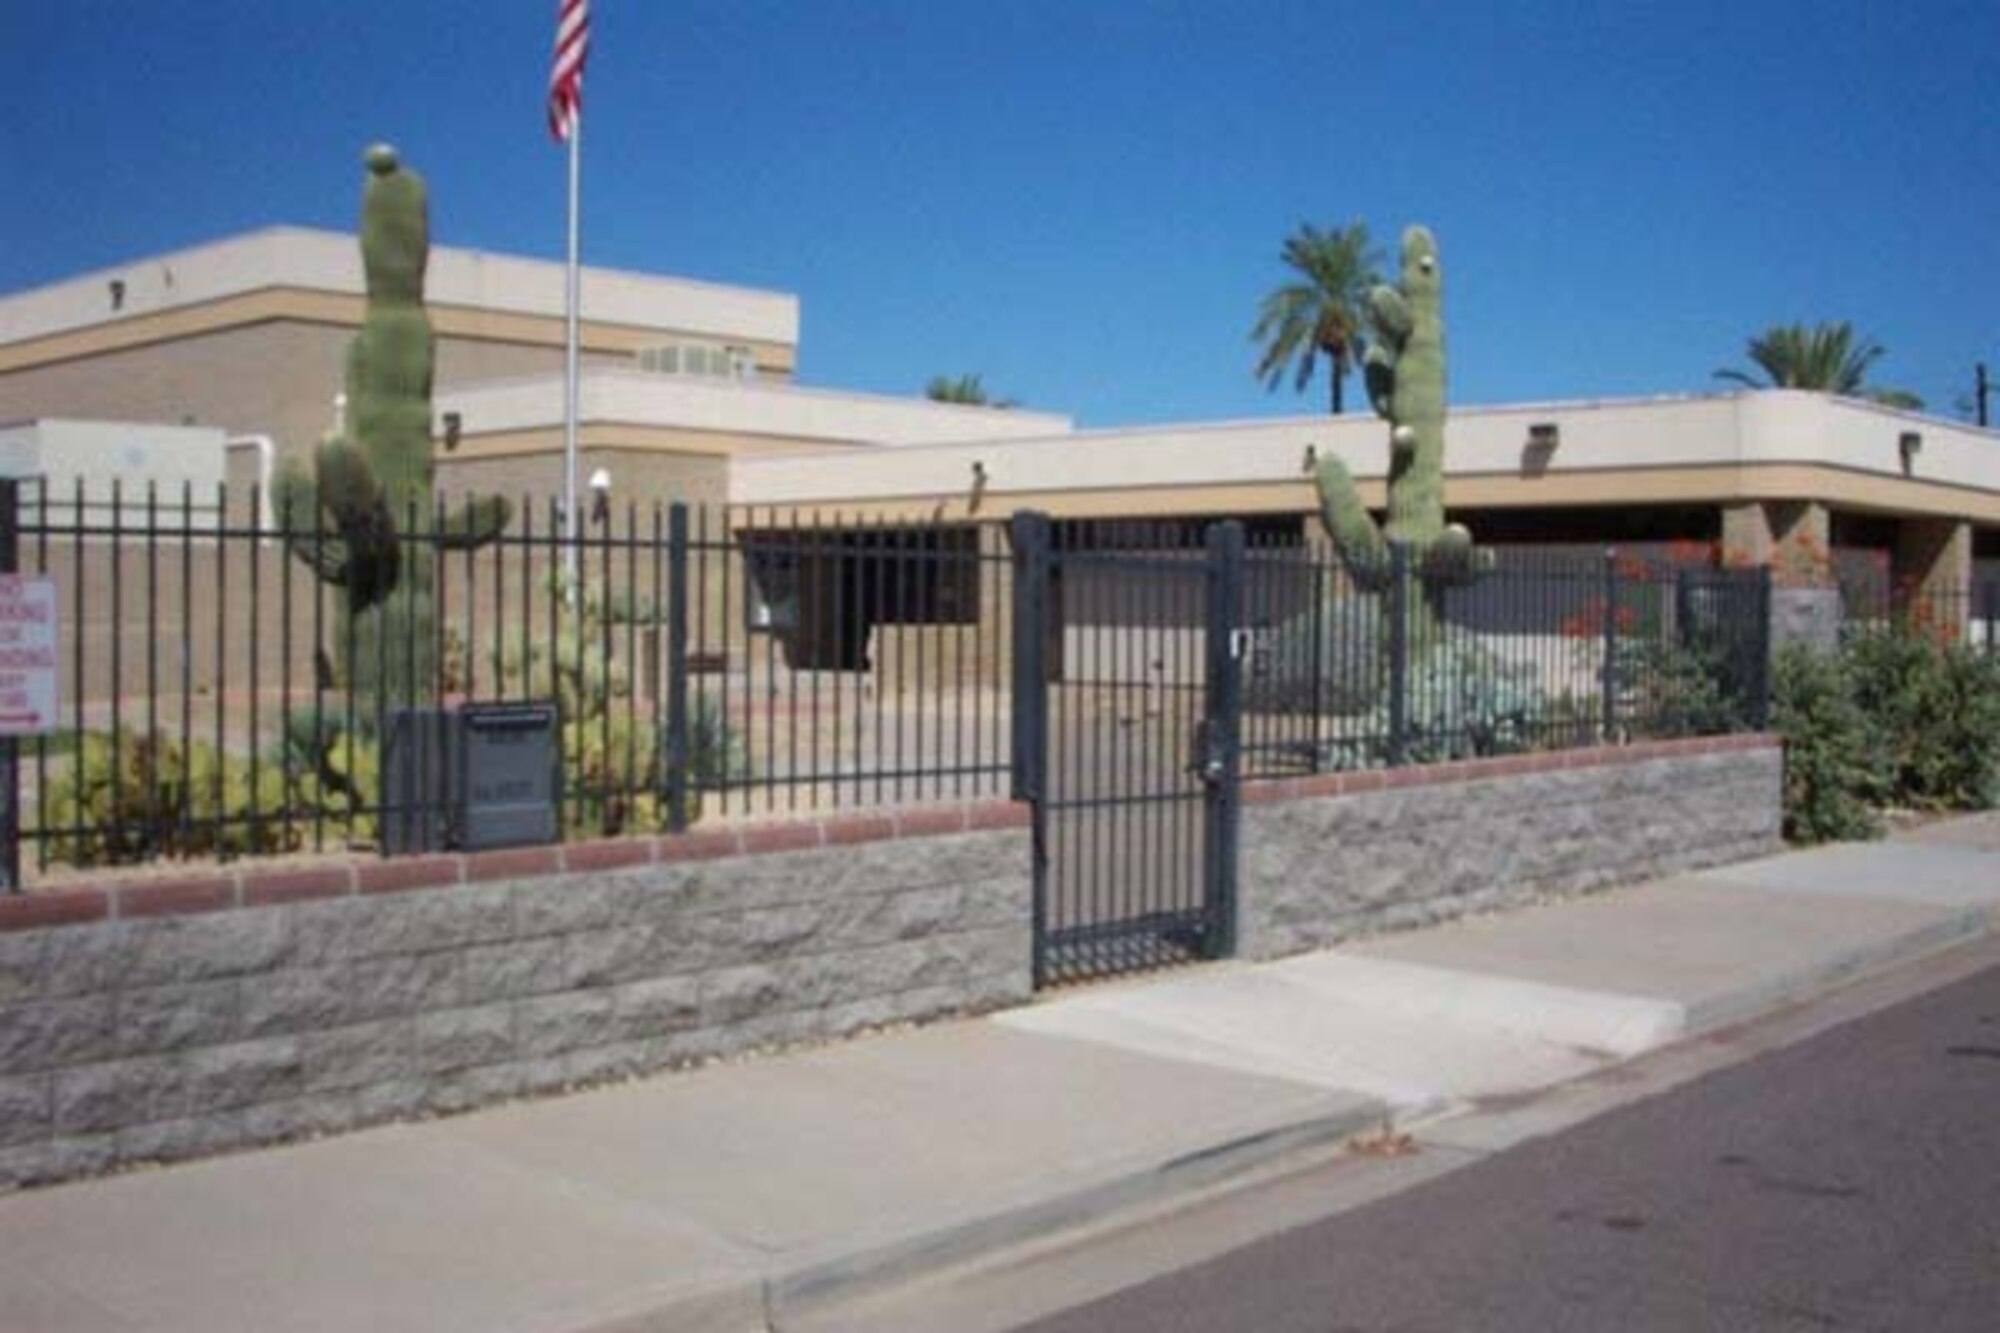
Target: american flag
<point>566,70</point>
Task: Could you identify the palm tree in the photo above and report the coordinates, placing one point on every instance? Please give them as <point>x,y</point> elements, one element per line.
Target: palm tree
<point>1828,358</point>
<point>966,389</point>
<point>1321,314</point>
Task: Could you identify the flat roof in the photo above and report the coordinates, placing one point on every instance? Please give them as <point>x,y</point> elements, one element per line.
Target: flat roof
<point>1631,451</point>
<point>756,407</point>
<point>312,259</point>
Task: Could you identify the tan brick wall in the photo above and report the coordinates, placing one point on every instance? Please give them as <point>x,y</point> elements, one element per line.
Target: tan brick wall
<point>277,379</point>
<point>640,478</point>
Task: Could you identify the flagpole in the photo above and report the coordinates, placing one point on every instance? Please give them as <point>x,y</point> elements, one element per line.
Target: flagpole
<point>571,302</point>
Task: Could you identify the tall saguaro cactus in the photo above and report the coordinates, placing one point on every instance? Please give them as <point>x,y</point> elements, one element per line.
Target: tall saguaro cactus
<point>366,521</point>
<point>1404,371</point>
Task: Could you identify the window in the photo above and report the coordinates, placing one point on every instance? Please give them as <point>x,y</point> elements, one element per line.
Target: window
<point>702,360</point>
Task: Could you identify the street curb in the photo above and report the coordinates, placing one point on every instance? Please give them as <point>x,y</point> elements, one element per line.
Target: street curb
<point>833,1278</point>
<point>830,1280</point>
<point>731,1306</point>
<point>1961,926</point>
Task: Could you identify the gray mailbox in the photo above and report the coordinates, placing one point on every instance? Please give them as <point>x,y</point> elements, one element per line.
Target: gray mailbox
<point>417,780</point>
<point>509,775</point>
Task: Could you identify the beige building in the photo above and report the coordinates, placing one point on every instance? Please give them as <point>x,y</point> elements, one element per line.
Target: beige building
<point>1771,476</point>
<point>688,394</point>
<point>249,335</point>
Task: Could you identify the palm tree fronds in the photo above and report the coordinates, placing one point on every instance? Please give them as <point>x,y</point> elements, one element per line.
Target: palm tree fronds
<point>1302,322</point>
<point>1825,358</point>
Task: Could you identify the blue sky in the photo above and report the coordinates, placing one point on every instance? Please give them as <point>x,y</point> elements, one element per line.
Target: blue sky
<point>1084,201</point>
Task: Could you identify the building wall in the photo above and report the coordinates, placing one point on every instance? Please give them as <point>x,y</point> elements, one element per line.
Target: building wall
<point>641,477</point>
<point>277,378</point>
<point>1777,445</point>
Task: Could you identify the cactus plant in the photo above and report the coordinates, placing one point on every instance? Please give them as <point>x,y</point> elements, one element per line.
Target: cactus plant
<point>614,755</point>
<point>1404,371</point>
<point>367,520</point>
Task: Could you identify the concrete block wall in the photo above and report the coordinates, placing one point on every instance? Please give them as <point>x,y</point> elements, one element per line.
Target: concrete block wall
<point>1329,858</point>
<point>163,1019</point>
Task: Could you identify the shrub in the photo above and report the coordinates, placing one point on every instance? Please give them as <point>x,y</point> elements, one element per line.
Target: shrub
<point>1327,659</point>
<point>1899,682</point>
<point>1686,689</point>
<point>1837,768</point>
<point>1960,759</point>
<point>125,798</point>
<point>1466,701</point>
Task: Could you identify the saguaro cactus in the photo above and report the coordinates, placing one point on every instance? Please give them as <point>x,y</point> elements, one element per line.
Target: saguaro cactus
<point>366,520</point>
<point>1404,371</point>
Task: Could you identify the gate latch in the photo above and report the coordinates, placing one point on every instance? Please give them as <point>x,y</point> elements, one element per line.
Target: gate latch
<point>1209,761</point>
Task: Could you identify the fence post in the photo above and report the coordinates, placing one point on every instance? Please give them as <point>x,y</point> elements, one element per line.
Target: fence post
<point>1762,705</point>
<point>1320,629</point>
<point>676,740</point>
<point>10,747</point>
<point>1223,715</point>
<point>1399,652</point>
<point>1608,719</point>
<point>1030,534</point>
<point>1027,774</point>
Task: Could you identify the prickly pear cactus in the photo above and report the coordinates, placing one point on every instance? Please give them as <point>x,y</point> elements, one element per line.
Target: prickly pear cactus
<point>367,520</point>
<point>1404,371</point>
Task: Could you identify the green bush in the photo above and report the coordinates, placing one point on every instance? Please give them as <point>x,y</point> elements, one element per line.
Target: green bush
<point>124,798</point>
<point>1683,689</point>
<point>1898,681</point>
<point>1962,760</point>
<point>1837,764</point>
<point>1465,701</point>
<point>1938,708</point>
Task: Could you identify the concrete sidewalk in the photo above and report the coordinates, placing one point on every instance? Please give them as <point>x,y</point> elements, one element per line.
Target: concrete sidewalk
<point>733,1197</point>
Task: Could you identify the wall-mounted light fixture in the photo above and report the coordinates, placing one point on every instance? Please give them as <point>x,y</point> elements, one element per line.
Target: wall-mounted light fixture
<point>1908,445</point>
<point>117,294</point>
<point>978,486</point>
<point>1312,458</point>
<point>600,495</point>
<point>454,425</point>
<point>1543,437</point>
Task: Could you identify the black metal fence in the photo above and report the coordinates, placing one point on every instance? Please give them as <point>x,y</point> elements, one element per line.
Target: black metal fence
<point>1408,662</point>
<point>1418,660</point>
<point>1947,613</point>
<point>218,699</point>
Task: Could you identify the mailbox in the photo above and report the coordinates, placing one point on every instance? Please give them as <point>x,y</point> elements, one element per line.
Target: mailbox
<point>417,780</point>
<point>509,766</point>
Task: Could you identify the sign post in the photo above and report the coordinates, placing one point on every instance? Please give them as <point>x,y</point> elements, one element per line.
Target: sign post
<point>28,662</point>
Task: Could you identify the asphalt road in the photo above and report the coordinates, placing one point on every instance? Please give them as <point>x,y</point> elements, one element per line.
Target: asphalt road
<point>1851,1181</point>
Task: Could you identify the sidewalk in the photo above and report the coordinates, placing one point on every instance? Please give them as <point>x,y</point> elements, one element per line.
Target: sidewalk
<point>721,1198</point>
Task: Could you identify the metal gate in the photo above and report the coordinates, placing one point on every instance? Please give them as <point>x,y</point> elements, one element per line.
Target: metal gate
<point>1127,717</point>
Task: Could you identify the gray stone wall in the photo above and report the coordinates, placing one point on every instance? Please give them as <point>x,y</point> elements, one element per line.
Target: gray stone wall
<point>154,1038</point>
<point>1319,870</point>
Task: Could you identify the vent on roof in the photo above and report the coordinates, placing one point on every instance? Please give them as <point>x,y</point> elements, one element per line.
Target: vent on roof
<point>706,360</point>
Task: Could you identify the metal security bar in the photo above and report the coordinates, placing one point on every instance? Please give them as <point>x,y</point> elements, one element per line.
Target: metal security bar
<point>220,699</point>
<point>1945,613</point>
<point>1128,711</point>
<point>710,663</point>
<point>837,662</point>
<point>1417,660</point>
